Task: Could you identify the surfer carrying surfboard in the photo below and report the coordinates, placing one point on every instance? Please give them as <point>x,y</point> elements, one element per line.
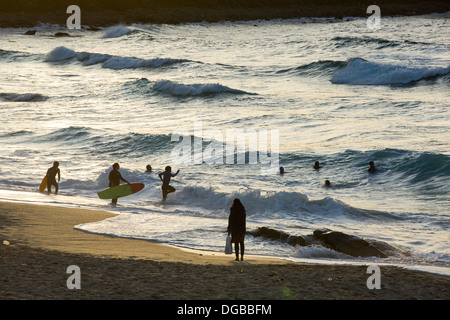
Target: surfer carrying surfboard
<point>51,177</point>
<point>165,178</point>
<point>114,179</point>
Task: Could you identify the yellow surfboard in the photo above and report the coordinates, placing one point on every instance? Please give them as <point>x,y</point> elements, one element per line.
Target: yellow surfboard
<point>43,184</point>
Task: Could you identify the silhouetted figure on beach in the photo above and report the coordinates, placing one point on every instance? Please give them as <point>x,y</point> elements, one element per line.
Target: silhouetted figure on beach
<point>51,177</point>
<point>165,178</point>
<point>372,168</point>
<point>237,227</point>
<point>114,179</point>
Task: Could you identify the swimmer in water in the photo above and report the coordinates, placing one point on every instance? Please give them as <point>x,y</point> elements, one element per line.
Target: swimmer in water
<point>372,168</point>
<point>317,165</point>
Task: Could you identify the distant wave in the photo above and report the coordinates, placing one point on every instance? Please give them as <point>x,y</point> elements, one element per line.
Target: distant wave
<point>117,31</point>
<point>197,89</point>
<point>22,97</point>
<point>421,170</point>
<point>362,72</point>
<point>91,141</point>
<point>12,55</point>
<point>381,43</point>
<point>60,54</point>
<point>316,68</point>
<point>4,53</point>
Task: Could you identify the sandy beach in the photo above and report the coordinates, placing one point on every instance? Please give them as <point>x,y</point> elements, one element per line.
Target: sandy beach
<point>39,243</point>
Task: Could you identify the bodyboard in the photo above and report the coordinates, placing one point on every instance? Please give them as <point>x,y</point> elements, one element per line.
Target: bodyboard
<point>119,191</point>
<point>43,184</point>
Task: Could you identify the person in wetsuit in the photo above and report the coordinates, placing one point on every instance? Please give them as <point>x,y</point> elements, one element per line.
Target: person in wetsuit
<point>165,178</point>
<point>237,227</point>
<point>114,179</point>
<point>51,177</point>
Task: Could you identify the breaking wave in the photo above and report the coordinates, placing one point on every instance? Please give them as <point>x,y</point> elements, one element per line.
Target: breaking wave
<point>60,54</point>
<point>197,89</point>
<point>22,97</point>
<point>362,72</point>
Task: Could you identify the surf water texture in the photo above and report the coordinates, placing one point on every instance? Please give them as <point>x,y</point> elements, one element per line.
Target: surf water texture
<point>108,61</point>
<point>360,71</point>
<point>336,92</point>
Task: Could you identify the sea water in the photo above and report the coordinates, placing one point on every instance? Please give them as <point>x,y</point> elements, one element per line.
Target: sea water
<point>333,91</point>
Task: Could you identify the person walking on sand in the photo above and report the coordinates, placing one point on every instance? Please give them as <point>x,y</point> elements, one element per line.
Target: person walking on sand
<point>51,177</point>
<point>114,179</point>
<point>237,227</point>
<point>165,178</point>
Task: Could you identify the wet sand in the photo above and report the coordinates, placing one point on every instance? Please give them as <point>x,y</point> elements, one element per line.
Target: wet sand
<point>38,244</point>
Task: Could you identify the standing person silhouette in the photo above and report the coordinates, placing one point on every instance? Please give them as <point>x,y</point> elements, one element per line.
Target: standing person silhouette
<point>114,179</point>
<point>51,177</point>
<point>165,178</point>
<point>237,227</point>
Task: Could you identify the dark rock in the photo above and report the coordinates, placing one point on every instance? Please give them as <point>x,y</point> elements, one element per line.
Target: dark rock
<point>62,34</point>
<point>348,244</point>
<point>388,249</point>
<point>30,32</point>
<point>91,28</point>
<point>281,236</point>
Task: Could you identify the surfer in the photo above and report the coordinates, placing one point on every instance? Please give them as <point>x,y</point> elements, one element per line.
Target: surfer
<point>327,183</point>
<point>114,179</point>
<point>165,178</point>
<point>51,177</point>
<point>149,168</point>
<point>282,170</point>
<point>317,165</point>
<point>372,168</point>
<point>236,227</point>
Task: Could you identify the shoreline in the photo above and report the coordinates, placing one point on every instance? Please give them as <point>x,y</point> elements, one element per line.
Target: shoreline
<point>28,15</point>
<point>39,242</point>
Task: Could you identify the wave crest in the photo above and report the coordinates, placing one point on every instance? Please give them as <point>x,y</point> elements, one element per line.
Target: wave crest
<point>22,97</point>
<point>108,61</point>
<point>117,32</point>
<point>362,72</point>
<point>197,89</point>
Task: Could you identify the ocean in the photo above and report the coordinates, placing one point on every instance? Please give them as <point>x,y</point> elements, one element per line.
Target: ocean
<point>296,91</point>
